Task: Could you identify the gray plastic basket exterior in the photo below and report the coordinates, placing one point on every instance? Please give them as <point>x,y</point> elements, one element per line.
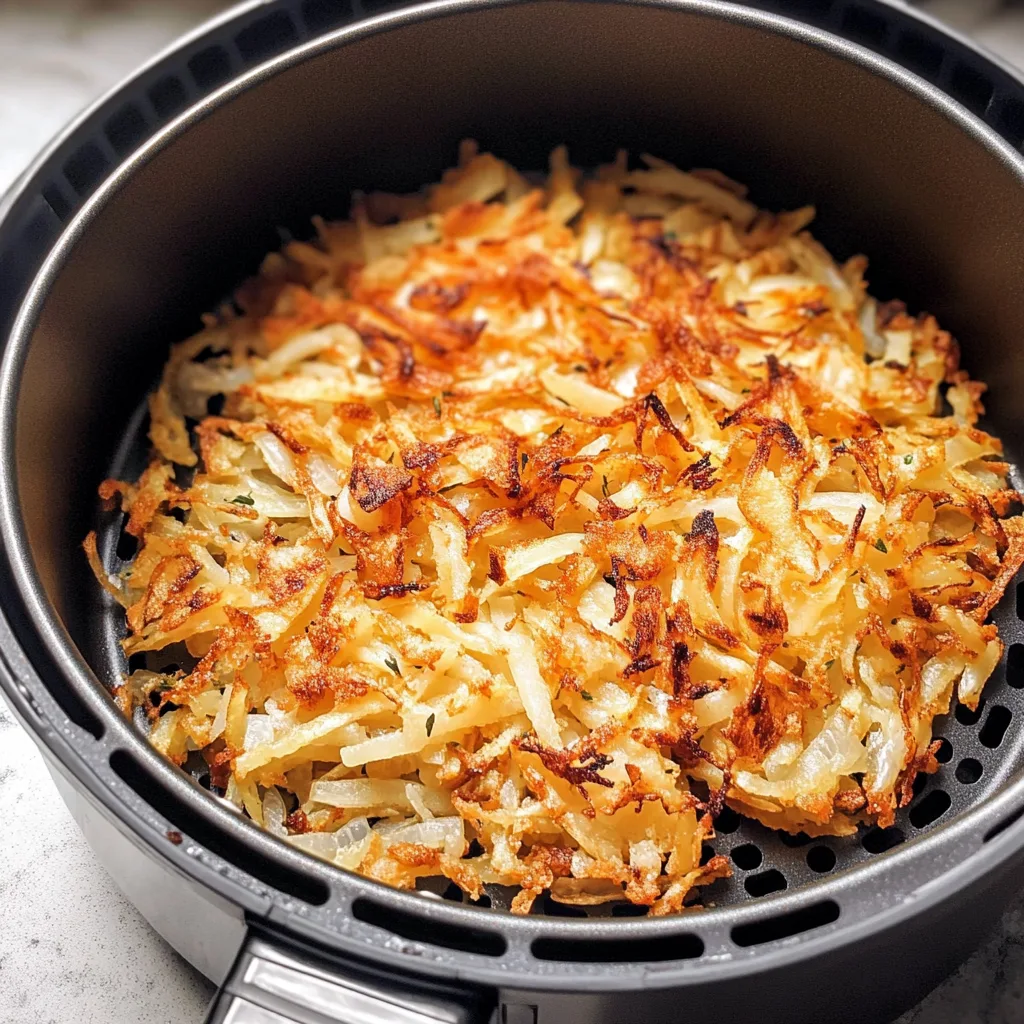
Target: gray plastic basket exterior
<point>800,919</point>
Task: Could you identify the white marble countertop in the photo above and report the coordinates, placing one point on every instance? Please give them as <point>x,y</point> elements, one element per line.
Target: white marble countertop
<point>72,949</point>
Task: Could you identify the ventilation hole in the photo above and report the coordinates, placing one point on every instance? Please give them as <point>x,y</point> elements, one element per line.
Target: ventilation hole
<point>233,850</point>
<point>782,926</point>
<point>126,129</point>
<point>793,841</point>
<point>1015,666</point>
<point>127,545</point>
<point>264,38</point>
<point>452,893</point>
<point>56,201</point>
<point>204,780</point>
<point>1020,601</point>
<point>421,929</point>
<point>965,716</point>
<point>968,771</point>
<point>707,851</point>
<point>930,809</point>
<point>484,901</point>
<point>863,26</point>
<point>765,882</point>
<point>727,821</point>
<point>84,168</point>
<point>215,405</point>
<point>1010,819</point>
<point>168,96</point>
<point>555,909</point>
<point>629,910</point>
<point>210,67</point>
<point>137,662</point>
<point>919,54</point>
<point>920,781</point>
<point>821,859</point>
<point>944,752</point>
<point>994,729</point>
<point>612,951</point>
<point>1009,119</point>
<point>183,476</point>
<point>747,857</point>
<point>878,840</point>
<point>324,14</point>
<point>971,88</point>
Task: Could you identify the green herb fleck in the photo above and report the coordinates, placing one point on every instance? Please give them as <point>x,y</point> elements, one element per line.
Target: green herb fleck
<point>242,499</point>
<point>392,663</point>
<point>604,486</point>
<point>829,663</point>
<point>671,236</point>
<point>437,406</point>
<point>585,695</point>
<point>523,460</point>
<point>430,723</point>
<point>908,459</point>
<point>880,545</point>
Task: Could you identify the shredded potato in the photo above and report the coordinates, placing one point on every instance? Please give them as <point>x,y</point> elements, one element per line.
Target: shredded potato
<point>535,525</point>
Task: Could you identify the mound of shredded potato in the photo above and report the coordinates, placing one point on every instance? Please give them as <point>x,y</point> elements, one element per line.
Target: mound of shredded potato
<point>529,526</point>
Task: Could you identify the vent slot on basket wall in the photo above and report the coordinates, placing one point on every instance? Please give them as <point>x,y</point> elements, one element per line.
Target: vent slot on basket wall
<point>783,926</point>
<point>434,933</point>
<point>626,950</point>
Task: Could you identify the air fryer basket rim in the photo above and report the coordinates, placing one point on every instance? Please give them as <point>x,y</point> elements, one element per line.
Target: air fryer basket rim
<point>954,852</point>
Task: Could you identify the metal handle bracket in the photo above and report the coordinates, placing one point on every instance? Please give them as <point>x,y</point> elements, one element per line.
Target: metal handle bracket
<point>269,985</point>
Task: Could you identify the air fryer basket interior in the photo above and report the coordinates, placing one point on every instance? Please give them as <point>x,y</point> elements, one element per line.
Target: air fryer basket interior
<point>403,145</point>
<point>893,174</point>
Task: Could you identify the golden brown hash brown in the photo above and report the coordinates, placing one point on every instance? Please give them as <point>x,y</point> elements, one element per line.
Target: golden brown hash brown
<point>529,508</point>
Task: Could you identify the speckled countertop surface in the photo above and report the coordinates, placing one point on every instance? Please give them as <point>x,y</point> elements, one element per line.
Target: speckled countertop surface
<point>71,948</point>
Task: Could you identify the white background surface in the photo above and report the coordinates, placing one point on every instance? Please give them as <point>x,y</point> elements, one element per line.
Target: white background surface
<point>72,950</point>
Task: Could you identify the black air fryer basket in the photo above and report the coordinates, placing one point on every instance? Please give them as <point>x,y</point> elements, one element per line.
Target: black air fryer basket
<point>166,194</point>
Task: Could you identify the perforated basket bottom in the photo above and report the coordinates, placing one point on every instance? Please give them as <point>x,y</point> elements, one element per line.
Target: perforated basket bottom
<point>980,749</point>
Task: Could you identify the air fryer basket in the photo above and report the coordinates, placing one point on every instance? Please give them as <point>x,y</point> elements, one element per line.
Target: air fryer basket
<point>151,207</point>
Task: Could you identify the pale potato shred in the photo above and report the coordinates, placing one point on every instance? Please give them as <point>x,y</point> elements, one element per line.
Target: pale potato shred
<point>538,523</point>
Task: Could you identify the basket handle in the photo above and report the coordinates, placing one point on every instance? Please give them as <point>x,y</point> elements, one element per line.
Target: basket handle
<point>276,983</point>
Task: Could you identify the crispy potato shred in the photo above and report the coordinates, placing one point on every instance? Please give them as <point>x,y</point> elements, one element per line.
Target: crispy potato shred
<point>530,525</point>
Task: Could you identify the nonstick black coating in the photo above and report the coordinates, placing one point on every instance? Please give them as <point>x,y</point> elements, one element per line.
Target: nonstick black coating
<point>895,172</point>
